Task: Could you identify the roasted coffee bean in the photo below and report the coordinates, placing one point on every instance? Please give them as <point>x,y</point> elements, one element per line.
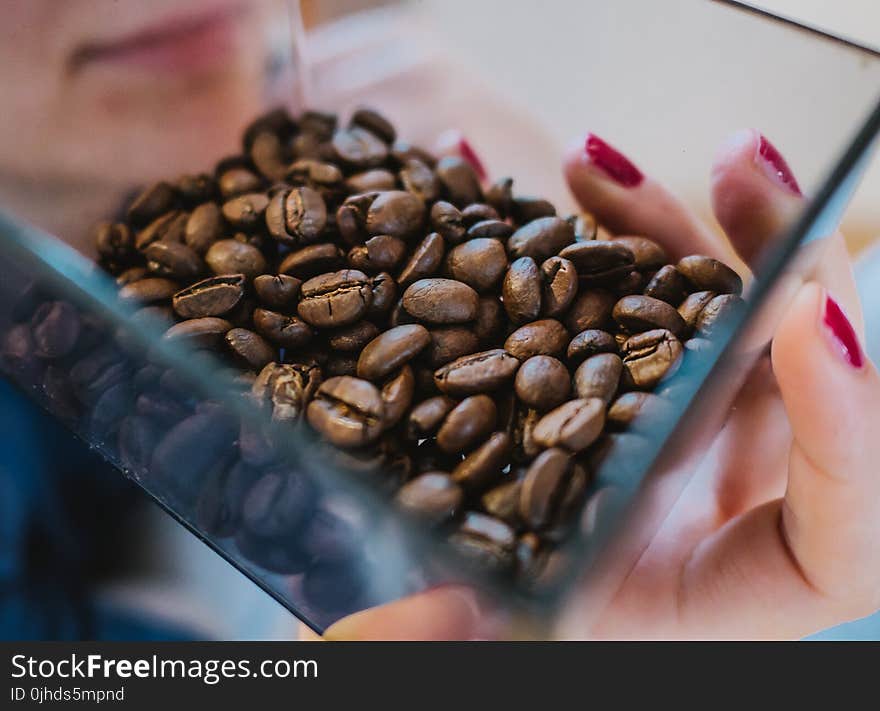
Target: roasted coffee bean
<point>161,406</point>
<point>352,339</point>
<point>460,181</point>
<point>425,260</point>
<point>340,364</point>
<point>195,189</point>
<point>449,343</point>
<point>152,202</point>
<point>585,227</point>
<point>521,290</point>
<point>432,496</point>
<point>325,178</point>
<point>402,151</point>
<point>476,373</point>
<point>228,256</point>
<point>378,254</point>
<point>245,212</point>
<point>269,155</point>
<point>486,540</point>
<point>560,286</point>
<point>137,440</point>
<point>467,424</point>
<point>542,382</point>
<point>494,229</point>
<point>371,180</point>
<point>238,181</point>
<point>114,242</point>
<point>478,212</point>
<point>541,238</point>
<point>691,307</point>
<point>347,411</point>
<point>480,263</point>
<point>544,337</point>
<point>173,260</point>
<point>351,217</point>
<point>397,395</point>
<point>286,388</point>
<point>391,350</point>
<point>283,556</point>
<point>318,123</point>
<point>60,396</point>
<point>648,357</point>
<point>55,329</point>
<point>281,329</point>
<point>214,296</point>
<point>335,299</point>
<point>278,504</point>
<point>384,291</point>
<point>358,148</point>
<point>296,217</point>
<point>591,309</point>
<point>543,488</point>
<point>426,417</point>
<point>717,312</point>
<point>633,283</point>
<point>525,446</point>
<point>636,314</point>
<point>500,196</point>
<point>418,179</point>
<point>707,274</point>
<point>440,301</point>
<point>649,256</point>
<point>396,213</point>
<point>250,348</point>
<point>483,467</point>
<point>489,322</point>
<point>527,208</point>
<point>218,511</point>
<point>599,262</point>
<point>129,276</point>
<point>589,343</point>
<point>573,426</point>
<point>375,123</point>
<point>313,260</point>
<point>447,221</point>
<point>279,292</point>
<point>170,227</point>
<point>502,502</point>
<point>625,409</point>
<point>667,285</point>
<point>204,227</point>
<point>598,377</point>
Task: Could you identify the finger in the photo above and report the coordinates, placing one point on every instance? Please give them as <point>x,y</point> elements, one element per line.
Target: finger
<point>626,201</point>
<point>444,613</point>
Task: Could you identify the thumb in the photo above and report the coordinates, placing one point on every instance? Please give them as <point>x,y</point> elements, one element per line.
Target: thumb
<point>831,510</point>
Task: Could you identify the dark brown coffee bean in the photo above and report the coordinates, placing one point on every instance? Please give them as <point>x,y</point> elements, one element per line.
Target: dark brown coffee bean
<point>667,285</point>
<point>460,181</point>
<point>691,307</point>
<point>599,262</point>
<point>483,467</point>
<point>447,221</point>
<point>352,339</point>
<point>476,373</point>
<point>402,151</point>
<point>378,254</point>
<point>269,155</point>
<point>636,314</point>
<point>542,383</point>
<point>278,291</point>
<point>543,488</point>
<point>632,283</point>
<point>487,541</point>
<point>238,181</point>
<point>115,242</point>
<point>718,312</point>
<point>358,148</point>
<point>649,256</point>
<point>544,337</point>
<point>449,343</point>
<point>560,286</point>
<point>245,212</point>
<point>432,496</point>
<point>707,274</point>
<point>297,216</point>
<point>347,411</point>
<point>417,178</point>
<point>522,431</point>
<point>502,502</point>
<point>129,276</point>
<point>589,343</point>
<point>203,227</point>
<point>228,256</point>
<point>371,180</point>
<point>467,424</point>
<point>527,209</point>
<point>521,290</point>
<point>214,296</point>
<point>500,196</point>
<point>375,123</point>
<point>152,202</point>
<point>335,299</point>
<point>325,178</point>
<point>440,301</point>
<point>598,377</point>
<point>250,348</point>
<point>629,406</point>
<point>286,388</point>
<point>541,238</point>
<point>425,260</point>
<point>478,212</point>
<point>313,260</point>
<point>397,395</point>
<point>194,189</point>
<point>391,350</point>
<point>396,213</point>
<point>493,229</point>
<point>148,291</point>
<point>489,322</point>
<point>426,417</point>
<point>55,328</point>
<point>591,309</point>
<point>480,263</point>
<point>585,227</point>
<point>384,291</point>
<point>648,357</point>
<point>573,426</point>
<point>278,504</point>
<point>281,329</point>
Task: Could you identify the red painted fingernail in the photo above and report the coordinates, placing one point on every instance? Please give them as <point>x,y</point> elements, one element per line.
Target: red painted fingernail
<point>614,163</point>
<point>776,165</point>
<point>842,332</point>
<point>470,155</point>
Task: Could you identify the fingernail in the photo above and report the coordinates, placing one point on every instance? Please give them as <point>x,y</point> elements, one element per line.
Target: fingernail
<point>776,167</point>
<point>843,335</point>
<point>466,150</point>
<point>615,164</point>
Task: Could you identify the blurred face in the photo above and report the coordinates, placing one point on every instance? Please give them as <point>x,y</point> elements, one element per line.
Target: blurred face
<point>105,93</point>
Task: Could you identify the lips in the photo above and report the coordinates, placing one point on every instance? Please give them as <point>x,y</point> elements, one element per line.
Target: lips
<point>182,43</point>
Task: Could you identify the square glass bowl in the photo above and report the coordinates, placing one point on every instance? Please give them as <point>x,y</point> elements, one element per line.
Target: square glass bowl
<point>316,526</point>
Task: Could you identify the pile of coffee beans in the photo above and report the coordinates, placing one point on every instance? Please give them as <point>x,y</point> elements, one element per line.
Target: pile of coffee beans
<point>468,347</point>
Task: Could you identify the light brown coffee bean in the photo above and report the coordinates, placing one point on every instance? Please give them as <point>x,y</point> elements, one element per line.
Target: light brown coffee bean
<point>521,291</point>
<point>598,377</point>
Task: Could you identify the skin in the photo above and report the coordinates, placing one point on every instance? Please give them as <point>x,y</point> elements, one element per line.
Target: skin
<point>775,536</point>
